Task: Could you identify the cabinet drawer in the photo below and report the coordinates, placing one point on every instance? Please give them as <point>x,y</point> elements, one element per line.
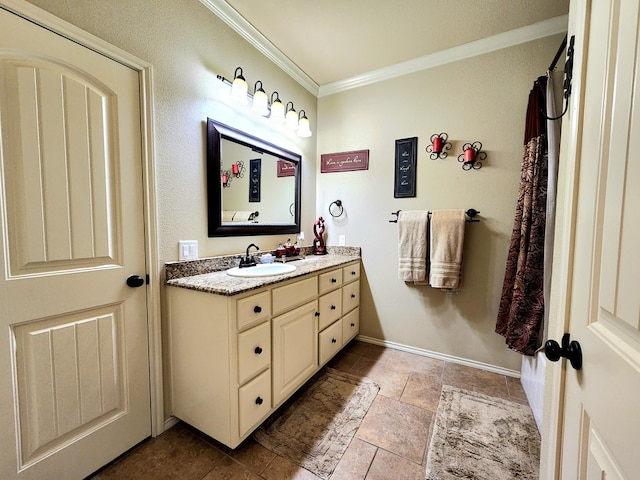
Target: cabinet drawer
<point>350,273</point>
<point>254,401</point>
<point>350,296</point>
<point>330,280</point>
<point>254,351</point>
<point>252,309</point>
<point>330,308</point>
<point>350,325</point>
<point>330,341</point>
<point>294,294</point>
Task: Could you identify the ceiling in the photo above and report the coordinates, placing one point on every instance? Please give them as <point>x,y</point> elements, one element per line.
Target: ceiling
<point>334,40</point>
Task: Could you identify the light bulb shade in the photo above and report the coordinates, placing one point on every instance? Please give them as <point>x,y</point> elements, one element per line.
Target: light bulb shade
<point>239,88</point>
<point>291,118</point>
<point>260,103</point>
<point>304,129</point>
<point>277,109</point>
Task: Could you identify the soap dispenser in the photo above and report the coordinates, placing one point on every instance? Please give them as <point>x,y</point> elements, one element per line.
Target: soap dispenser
<point>280,251</point>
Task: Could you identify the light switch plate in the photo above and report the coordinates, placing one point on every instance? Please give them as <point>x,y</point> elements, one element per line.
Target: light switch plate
<point>188,250</point>
<point>342,240</point>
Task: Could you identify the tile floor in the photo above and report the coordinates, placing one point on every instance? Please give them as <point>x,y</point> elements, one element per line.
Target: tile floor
<point>391,442</point>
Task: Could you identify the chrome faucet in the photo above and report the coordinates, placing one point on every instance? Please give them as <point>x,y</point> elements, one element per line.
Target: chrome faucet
<point>248,260</point>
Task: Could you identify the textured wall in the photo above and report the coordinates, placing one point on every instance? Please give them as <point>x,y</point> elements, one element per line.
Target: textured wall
<point>483,98</point>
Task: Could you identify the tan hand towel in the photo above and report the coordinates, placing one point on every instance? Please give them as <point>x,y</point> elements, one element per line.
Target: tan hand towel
<point>412,245</point>
<point>447,240</point>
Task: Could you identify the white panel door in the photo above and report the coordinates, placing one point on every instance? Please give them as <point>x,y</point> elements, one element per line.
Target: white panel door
<point>601,428</point>
<point>74,365</point>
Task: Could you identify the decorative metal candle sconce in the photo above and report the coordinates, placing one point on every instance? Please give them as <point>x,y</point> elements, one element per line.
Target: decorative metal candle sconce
<point>237,169</point>
<point>439,146</point>
<point>225,178</point>
<point>471,156</point>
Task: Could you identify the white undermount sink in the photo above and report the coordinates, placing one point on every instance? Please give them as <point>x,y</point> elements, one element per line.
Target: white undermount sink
<point>262,270</point>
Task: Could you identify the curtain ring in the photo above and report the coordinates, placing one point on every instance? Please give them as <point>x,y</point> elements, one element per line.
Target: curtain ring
<point>336,212</point>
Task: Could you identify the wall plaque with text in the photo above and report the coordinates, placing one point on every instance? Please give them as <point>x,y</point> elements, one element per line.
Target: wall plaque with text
<point>405,167</point>
<point>344,161</point>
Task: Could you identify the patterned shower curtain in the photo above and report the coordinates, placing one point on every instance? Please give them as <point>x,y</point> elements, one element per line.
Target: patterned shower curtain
<point>521,310</point>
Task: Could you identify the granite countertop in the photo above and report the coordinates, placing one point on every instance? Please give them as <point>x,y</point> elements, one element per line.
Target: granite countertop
<point>220,283</point>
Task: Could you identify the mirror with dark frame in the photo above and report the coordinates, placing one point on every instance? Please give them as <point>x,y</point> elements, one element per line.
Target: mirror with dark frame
<point>253,186</point>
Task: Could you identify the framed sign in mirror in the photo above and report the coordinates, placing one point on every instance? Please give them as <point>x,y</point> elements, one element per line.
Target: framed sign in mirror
<point>405,167</point>
<point>262,202</point>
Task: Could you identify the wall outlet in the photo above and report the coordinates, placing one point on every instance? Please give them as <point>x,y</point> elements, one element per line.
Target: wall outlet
<point>188,250</point>
<point>342,241</point>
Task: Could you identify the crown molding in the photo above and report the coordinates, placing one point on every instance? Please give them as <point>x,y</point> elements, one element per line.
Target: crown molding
<point>511,38</point>
<point>247,31</point>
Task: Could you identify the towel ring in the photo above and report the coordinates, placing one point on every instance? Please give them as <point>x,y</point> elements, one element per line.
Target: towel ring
<point>338,211</point>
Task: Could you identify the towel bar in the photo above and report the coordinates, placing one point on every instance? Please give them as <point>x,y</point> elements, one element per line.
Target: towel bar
<point>471,213</point>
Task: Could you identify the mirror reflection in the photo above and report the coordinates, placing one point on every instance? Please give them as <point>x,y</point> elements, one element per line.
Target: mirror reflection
<point>253,185</point>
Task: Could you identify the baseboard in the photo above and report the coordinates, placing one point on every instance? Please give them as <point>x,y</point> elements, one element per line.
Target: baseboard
<point>441,356</point>
<point>170,422</point>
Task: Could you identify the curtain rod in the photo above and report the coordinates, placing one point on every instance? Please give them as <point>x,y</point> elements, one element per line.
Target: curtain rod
<point>554,63</point>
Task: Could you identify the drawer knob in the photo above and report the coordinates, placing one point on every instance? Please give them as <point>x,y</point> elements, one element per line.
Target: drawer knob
<point>258,350</point>
<point>333,340</point>
<point>333,307</point>
<point>353,272</point>
<point>257,309</point>
<point>353,295</point>
<point>353,324</point>
<point>334,280</point>
<point>317,314</point>
<point>259,401</point>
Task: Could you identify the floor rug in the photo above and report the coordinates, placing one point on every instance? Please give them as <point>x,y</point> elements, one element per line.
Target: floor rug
<point>316,427</point>
<point>477,437</point>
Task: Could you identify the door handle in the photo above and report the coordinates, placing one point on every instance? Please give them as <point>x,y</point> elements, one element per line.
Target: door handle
<point>135,281</point>
<point>570,349</point>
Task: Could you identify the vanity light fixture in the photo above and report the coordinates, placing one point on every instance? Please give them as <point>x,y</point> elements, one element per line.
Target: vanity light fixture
<point>304,130</point>
<point>260,100</point>
<point>291,117</point>
<point>277,109</point>
<point>239,88</point>
<point>272,108</point>
<point>471,156</point>
<point>438,146</point>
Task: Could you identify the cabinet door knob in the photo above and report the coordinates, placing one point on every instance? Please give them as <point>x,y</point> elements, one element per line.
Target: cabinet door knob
<point>333,340</point>
<point>317,314</point>
<point>353,324</point>
<point>334,280</point>
<point>258,350</point>
<point>353,295</point>
<point>259,401</point>
<point>257,309</point>
<point>333,307</point>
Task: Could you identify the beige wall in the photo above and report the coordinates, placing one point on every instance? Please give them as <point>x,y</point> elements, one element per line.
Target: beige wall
<point>482,98</point>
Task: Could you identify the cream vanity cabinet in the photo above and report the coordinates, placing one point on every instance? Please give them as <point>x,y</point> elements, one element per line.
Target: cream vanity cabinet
<point>235,359</point>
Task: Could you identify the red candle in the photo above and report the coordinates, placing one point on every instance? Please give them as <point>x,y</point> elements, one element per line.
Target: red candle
<point>437,145</point>
<point>469,154</point>
<point>225,178</point>
<point>235,169</point>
